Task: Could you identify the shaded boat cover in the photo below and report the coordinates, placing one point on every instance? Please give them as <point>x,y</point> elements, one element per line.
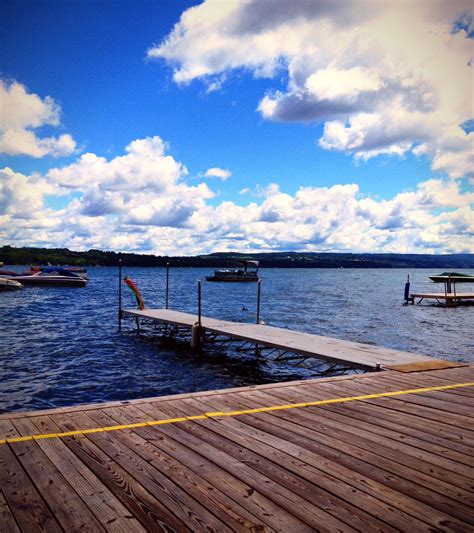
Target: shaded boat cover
<point>60,271</point>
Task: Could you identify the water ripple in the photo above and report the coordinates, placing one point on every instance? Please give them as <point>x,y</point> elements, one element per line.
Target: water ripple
<point>60,346</point>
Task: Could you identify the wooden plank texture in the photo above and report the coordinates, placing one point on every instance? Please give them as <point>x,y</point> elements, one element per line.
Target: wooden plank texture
<point>356,354</point>
<point>398,463</point>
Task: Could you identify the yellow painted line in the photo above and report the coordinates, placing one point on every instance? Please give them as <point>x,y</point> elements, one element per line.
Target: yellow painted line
<point>19,439</point>
<point>167,421</point>
<point>45,436</point>
<point>196,417</point>
<point>217,414</point>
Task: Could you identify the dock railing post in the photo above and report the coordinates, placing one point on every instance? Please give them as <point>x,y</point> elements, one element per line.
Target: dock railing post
<point>167,283</point>
<point>259,292</point>
<point>196,330</point>
<point>199,302</point>
<point>120,294</point>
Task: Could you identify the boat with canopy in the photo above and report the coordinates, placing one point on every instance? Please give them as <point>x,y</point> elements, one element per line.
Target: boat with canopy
<point>455,277</point>
<point>248,272</point>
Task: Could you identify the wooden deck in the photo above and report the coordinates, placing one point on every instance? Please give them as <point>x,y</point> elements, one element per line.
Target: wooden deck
<point>367,452</point>
<point>354,354</point>
<point>449,299</point>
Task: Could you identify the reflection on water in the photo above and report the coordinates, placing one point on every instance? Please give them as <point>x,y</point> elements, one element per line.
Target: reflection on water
<point>60,345</point>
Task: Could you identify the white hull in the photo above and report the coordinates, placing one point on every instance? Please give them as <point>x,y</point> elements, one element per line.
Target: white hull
<point>9,285</point>
<point>41,279</point>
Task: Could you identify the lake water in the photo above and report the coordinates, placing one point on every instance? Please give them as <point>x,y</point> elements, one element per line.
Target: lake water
<point>60,346</point>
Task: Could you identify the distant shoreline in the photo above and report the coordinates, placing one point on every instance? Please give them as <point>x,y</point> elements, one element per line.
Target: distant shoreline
<point>63,256</point>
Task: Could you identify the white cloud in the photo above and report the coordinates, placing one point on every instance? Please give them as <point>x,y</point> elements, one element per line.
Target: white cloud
<point>217,172</point>
<point>331,83</point>
<point>383,78</point>
<point>141,201</point>
<point>20,113</point>
<point>23,214</point>
<point>22,196</point>
<point>144,187</point>
<point>145,165</point>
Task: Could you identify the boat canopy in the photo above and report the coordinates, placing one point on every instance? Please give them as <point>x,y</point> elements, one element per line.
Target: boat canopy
<point>250,262</point>
<point>454,274</point>
<point>60,271</point>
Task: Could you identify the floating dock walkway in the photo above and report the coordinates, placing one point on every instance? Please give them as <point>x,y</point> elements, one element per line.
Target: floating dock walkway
<point>386,451</point>
<point>447,299</point>
<point>354,354</point>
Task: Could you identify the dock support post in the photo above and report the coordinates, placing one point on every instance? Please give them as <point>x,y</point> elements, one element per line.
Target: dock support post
<point>407,289</point>
<point>448,285</point>
<point>199,302</point>
<point>196,331</point>
<point>259,283</point>
<point>167,283</point>
<point>120,294</point>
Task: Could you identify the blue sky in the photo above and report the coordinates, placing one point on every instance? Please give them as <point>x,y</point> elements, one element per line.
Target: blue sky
<point>327,145</point>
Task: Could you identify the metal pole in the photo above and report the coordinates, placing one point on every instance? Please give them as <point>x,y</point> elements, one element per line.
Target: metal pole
<point>120,294</point>
<point>196,330</point>
<point>407,289</point>
<point>259,283</point>
<point>167,283</point>
<point>199,303</point>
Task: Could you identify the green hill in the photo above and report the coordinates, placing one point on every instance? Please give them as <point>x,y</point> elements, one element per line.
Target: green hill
<point>63,256</point>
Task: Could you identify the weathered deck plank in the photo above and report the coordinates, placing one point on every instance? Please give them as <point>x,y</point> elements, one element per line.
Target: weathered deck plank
<point>358,355</point>
<point>402,462</point>
<point>106,507</point>
<point>299,439</point>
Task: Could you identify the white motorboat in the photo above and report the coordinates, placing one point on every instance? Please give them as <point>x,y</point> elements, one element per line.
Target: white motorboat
<point>56,276</point>
<point>9,284</point>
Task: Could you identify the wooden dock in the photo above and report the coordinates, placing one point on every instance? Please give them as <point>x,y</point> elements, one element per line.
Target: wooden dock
<point>386,451</point>
<point>447,299</point>
<point>354,354</point>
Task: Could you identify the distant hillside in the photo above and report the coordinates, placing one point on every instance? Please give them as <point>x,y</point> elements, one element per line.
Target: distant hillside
<point>63,256</point>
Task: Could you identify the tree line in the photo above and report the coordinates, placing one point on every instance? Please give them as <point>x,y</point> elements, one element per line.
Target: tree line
<point>10,255</point>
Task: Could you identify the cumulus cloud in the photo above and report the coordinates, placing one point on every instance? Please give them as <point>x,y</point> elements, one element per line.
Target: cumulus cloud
<point>23,214</point>
<point>143,201</point>
<point>382,80</point>
<point>20,113</point>
<point>144,187</point>
<point>145,164</point>
<point>217,172</point>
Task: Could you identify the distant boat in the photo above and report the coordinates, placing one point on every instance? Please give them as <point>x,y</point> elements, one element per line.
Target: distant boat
<point>53,276</point>
<point>49,268</point>
<point>455,277</point>
<point>9,284</point>
<point>249,272</point>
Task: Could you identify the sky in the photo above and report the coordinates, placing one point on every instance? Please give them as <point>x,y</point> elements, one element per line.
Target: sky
<point>178,127</point>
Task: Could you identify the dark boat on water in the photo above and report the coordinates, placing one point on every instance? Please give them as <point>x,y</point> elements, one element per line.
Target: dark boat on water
<point>74,269</point>
<point>249,272</point>
<point>49,276</point>
<point>454,277</point>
